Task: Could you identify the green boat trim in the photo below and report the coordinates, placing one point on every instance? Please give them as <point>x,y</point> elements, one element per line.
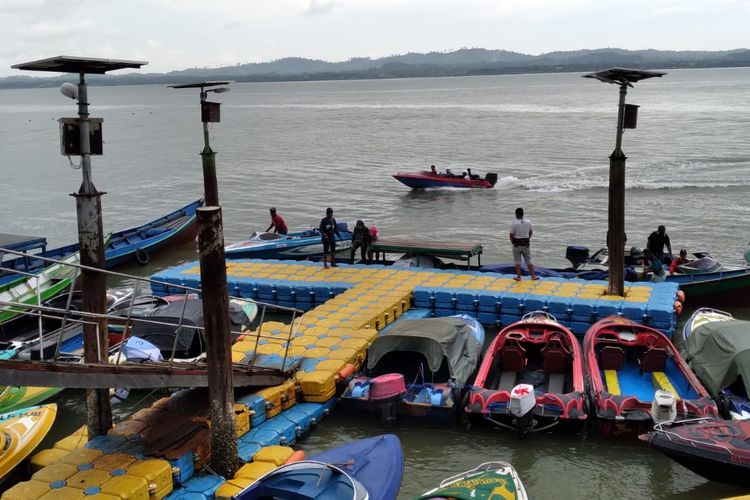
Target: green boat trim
<point>14,398</point>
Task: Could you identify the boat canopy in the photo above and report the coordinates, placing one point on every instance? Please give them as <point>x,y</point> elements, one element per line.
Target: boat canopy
<point>719,352</point>
<point>435,338</point>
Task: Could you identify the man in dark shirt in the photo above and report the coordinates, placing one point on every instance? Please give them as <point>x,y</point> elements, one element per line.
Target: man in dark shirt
<point>328,232</point>
<point>656,242</point>
<point>361,238</point>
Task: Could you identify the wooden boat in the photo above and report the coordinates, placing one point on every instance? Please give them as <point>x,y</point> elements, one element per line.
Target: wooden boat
<point>531,377</point>
<point>488,481</point>
<point>131,245</point>
<point>419,368</point>
<point>41,287</point>
<point>725,285</point>
<point>366,469</point>
<point>427,179</point>
<point>293,246</point>
<point>21,432</point>
<point>716,450</point>
<point>719,353</point>
<point>636,377</point>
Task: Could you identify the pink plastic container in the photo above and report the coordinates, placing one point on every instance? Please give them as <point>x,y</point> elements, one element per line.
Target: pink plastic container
<point>387,386</point>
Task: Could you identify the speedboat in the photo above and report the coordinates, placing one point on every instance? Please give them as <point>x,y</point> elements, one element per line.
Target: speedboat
<point>21,432</point>
<point>490,480</point>
<point>636,378</point>
<point>427,179</point>
<point>297,246</point>
<point>716,450</point>
<point>719,353</point>
<point>419,368</point>
<point>366,469</point>
<point>701,317</point>
<point>531,377</point>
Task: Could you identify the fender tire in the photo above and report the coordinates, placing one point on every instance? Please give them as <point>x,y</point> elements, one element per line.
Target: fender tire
<point>142,256</point>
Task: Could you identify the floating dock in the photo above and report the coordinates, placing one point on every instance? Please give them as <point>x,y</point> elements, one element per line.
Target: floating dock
<point>345,309</point>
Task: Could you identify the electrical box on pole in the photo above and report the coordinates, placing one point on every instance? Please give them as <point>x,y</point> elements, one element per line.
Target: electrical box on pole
<point>210,112</point>
<point>70,138</point>
<point>630,117</point>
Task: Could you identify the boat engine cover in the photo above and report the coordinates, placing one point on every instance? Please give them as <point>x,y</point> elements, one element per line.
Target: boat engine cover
<point>522,400</point>
<point>387,386</point>
<point>663,407</point>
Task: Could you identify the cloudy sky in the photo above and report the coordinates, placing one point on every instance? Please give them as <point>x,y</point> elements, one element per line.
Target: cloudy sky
<point>178,34</point>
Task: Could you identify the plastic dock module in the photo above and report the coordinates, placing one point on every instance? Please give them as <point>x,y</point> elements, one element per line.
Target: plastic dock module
<point>661,381</point>
<point>612,381</point>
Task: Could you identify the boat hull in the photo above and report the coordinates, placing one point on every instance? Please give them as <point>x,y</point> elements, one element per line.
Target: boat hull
<point>295,246</point>
<point>23,431</point>
<point>427,180</point>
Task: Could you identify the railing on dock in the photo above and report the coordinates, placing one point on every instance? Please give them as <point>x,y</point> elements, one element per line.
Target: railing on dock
<point>59,371</point>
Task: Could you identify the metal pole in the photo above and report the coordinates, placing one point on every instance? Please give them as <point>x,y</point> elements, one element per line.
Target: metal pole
<point>224,458</point>
<point>616,222</point>
<point>210,184</point>
<point>91,240</point>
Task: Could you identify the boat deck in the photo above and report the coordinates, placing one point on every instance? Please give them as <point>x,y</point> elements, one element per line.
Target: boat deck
<point>457,250</point>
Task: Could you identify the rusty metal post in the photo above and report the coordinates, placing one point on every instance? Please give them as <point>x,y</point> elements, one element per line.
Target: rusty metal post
<point>616,214</point>
<point>93,283</point>
<point>208,157</point>
<point>224,458</point>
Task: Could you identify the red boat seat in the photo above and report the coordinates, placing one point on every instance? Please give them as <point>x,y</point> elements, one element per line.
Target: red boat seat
<point>653,360</point>
<point>513,357</point>
<point>556,357</point>
<point>611,357</point>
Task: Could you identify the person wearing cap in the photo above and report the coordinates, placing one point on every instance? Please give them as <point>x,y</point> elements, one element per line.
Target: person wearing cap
<point>277,222</point>
<point>328,232</point>
<point>361,238</point>
<point>674,267</point>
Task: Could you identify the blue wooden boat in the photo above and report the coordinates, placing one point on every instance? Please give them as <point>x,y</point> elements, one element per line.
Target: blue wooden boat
<point>418,368</point>
<point>131,245</point>
<point>367,469</point>
<point>293,246</point>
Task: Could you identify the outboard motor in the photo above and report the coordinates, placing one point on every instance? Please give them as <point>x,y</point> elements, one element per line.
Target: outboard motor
<point>491,178</point>
<point>387,391</point>
<point>522,402</point>
<point>577,255</point>
<point>663,407</point>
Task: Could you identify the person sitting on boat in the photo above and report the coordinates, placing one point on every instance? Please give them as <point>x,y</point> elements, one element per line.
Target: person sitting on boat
<point>448,173</point>
<point>674,267</point>
<point>361,238</point>
<point>653,265</point>
<point>328,232</point>
<point>277,222</point>
<point>656,242</point>
<point>471,176</point>
<point>433,170</point>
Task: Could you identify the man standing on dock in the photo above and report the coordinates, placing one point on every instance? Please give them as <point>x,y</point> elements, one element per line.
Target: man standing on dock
<point>328,231</point>
<point>520,238</point>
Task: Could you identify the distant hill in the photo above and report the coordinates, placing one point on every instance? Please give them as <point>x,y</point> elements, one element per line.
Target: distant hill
<point>463,62</point>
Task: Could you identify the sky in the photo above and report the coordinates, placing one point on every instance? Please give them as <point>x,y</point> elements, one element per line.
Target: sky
<point>180,34</point>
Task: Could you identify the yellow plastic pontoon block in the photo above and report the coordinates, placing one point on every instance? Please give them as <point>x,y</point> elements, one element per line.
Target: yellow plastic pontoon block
<point>157,473</point>
<point>114,461</point>
<point>276,455</point>
<point>55,472</point>
<point>47,457</point>
<point>317,386</point>
<point>254,470</point>
<point>232,487</point>
<point>26,490</point>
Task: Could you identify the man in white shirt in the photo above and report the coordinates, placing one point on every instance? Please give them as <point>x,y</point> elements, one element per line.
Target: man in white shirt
<point>520,238</point>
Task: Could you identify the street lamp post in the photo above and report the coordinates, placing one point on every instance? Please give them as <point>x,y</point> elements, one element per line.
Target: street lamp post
<point>224,458</point>
<point>626,118</point>
<point>89,213</point>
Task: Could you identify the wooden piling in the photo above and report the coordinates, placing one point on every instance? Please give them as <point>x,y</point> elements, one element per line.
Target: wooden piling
<point>224,459</point>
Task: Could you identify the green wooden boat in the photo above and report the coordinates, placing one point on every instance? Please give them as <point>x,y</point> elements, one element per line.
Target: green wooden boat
<point>51,282</point>
<point>489,481</point>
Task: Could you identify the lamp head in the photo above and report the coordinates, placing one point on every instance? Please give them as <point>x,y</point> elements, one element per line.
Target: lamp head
<point>69,90</point>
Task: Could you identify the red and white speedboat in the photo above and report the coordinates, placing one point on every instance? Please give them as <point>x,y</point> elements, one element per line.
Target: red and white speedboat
<point>427,179</point>
<point>531,377</point>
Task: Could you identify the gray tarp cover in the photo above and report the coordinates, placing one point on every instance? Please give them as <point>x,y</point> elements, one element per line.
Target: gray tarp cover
<point>719,352</point>
<point>434,338</point>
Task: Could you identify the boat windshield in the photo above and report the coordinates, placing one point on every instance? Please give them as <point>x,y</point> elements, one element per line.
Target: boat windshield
<point>359,492</point>
<point>265,236</point>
